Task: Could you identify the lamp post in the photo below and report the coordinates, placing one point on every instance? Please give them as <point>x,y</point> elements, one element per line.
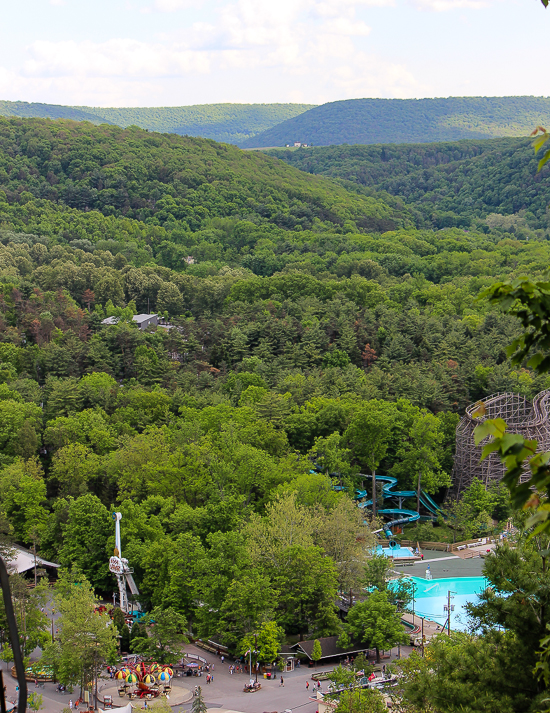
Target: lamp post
<point>422,637</point>
<point>97,644</point>
<point>399,603</point>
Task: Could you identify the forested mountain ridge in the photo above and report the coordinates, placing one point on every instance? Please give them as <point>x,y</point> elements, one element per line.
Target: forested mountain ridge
<point>353,121</point>
<point>229,123</point>
<point>204,231</point>
<point>292,317</point>
<point>382,121</point>
<point>160,178</point>
<point>451,183</point>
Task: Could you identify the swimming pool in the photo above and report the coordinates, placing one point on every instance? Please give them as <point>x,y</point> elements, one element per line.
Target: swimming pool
<point>430,598</point>
<point>395,552</point>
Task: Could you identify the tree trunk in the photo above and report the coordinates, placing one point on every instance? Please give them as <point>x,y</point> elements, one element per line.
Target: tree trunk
<point>373,492</point>
<point>418,492</point>
<point>377,655</point>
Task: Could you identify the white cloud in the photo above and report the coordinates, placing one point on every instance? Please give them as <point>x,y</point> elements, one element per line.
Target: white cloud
<point>173,5</point>
<point>317,43</point>
<point>333,8</point>
<point>114,58</point>
<point>346,27</point>
<point>446,5</point>
<point>369,76</point>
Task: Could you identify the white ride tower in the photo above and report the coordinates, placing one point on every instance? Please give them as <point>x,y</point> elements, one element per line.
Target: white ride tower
<point>123,573</point>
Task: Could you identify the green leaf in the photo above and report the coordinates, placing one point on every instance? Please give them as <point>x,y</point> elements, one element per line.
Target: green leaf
<point>492,427</point>
<point>509,440</point>
<point>543,160</point>
<point>489,448</point>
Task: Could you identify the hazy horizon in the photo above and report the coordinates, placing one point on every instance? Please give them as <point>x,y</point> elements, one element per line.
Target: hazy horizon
<point>149,53</point>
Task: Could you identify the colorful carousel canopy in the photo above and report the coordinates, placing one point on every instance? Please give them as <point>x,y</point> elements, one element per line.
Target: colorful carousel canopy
<point>149,678</point>
<point>165,676</point>
<point>131,678</point>
<point>168,670</point>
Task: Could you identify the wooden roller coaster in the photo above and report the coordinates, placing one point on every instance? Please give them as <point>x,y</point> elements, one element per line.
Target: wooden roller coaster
<point>529,418</point>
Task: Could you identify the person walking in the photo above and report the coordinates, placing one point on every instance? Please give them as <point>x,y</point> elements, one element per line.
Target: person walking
<point>282,682</point>
<point>307,685</point>
<point>71,704</point>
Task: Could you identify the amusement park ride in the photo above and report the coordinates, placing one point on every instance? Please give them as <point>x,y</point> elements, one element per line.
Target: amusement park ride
<point>123,573</point>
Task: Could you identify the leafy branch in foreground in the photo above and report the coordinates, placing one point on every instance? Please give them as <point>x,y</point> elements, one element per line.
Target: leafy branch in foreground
<point>530,302</point>
<point>517,454</point>
<point>539,142</point>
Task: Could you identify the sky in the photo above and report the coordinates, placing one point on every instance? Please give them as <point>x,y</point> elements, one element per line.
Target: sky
<point>182,52</point>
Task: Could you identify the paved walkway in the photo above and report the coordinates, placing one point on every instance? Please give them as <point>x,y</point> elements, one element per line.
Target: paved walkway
<point>226,693</point>
<point>178,695</point>
<point>430,627</point>
<point>438,559</point>
<point>444,565</point>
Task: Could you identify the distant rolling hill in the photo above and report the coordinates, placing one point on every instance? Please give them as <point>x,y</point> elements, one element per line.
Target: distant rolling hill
<point>229,123</point>
<point>383,121</point>
<point>450,183</point>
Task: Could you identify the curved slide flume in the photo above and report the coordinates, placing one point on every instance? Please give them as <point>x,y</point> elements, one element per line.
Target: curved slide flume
<point>405,516</point>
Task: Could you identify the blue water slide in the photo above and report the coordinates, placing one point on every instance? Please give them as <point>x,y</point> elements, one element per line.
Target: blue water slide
<point>429,503</point>
<point>405,516</point>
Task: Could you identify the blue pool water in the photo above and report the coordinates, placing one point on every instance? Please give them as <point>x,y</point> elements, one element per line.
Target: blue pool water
<point>394,551</point>
<point>430,598</point>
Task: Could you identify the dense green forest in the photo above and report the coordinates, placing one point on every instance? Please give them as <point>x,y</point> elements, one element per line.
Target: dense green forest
<point>458,183</point>
<point>230,123</point>
<point>297,314</point>
<point>354,121</point>
<point>395,121</point>
<point>166,179</point>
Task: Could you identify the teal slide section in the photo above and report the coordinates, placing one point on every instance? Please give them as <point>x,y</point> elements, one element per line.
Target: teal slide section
<point>403,516</point>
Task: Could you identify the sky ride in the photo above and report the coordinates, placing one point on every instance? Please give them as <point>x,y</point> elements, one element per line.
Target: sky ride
<point>123,573</point>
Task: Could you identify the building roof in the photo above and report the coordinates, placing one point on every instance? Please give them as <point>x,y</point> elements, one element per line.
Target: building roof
<point>23,560</point>
<point>143,317</point>
<point>329,648</point>
<point>109,320</point>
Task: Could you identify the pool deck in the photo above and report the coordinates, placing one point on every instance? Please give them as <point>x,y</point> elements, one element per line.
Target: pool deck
<point>444,565</point>
<point>430,627</point>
